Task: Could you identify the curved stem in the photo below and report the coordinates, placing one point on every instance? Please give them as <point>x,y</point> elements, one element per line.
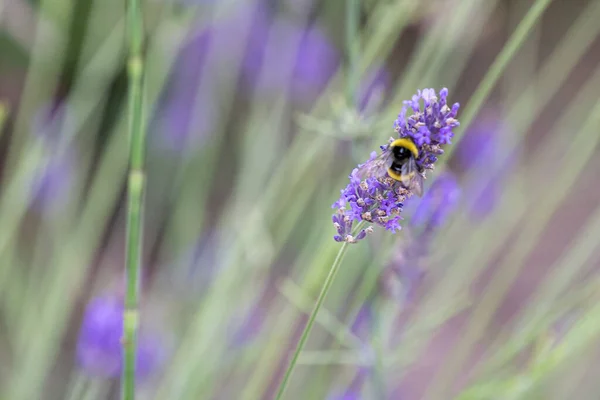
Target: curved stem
<point>311,320</point>
<point>3,115</point>
<point>136,186</point>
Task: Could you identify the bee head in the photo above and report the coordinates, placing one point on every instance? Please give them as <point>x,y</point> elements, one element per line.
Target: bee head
<point>407,144</point>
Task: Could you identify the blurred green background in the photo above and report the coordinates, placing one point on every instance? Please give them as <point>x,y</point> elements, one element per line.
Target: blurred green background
<point>256,112</point>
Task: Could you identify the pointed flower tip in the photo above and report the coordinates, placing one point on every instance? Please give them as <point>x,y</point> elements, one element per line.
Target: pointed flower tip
<point>373,195</point>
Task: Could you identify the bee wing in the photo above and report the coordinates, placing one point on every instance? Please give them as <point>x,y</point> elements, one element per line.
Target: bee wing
<point>411,178</point>
<point>376,167</point>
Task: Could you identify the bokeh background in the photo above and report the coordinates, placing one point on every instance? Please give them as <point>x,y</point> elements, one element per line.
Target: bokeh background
<point>257,111</point>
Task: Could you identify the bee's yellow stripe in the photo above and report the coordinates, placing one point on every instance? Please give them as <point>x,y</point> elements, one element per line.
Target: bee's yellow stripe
<point>399,177</point>
<point>406,143</point>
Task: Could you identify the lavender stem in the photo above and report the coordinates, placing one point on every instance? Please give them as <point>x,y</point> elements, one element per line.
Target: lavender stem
<point>136,185</point>
<point>324,290</point>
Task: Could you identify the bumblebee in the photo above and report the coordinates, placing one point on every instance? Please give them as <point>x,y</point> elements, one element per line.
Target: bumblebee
<point>399,162</point>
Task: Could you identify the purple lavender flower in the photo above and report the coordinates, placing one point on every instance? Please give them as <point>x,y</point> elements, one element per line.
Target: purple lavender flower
<point>294,57</point>
<point>99,347</point>
<point>373,196</point>
<point>431,126</point>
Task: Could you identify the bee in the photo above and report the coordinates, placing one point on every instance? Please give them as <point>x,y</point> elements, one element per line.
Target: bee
<point>399,162</point>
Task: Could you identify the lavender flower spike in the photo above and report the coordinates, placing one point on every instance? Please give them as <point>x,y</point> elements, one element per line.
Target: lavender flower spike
<point>373,195</point>
<point>99,347</point>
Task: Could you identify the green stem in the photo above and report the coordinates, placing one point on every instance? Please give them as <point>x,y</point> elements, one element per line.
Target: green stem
<point>3,115</point>
<point>311,320</point>
<point>378,343</point>
<point>136,184</point>
<point>353,50</point>
<point>77,386</point>
<point>499,65</point>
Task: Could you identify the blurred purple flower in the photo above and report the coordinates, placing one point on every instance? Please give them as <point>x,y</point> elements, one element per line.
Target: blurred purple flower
<point>373,87</point>
<point>300,8</point>
<point>248,23</point>
<point>482,205</point>
<point>561,327</point>
<point>404,277</point>
<point>294,57</point>
<point>195,2</point>
<point>348,395</point>
<point>481,150</point>
<point>362,323</point>
<point>437,204</point>
<point>245,335</point>
<point>54,183</point>
<point>99,348</point>
<point>184,117</point>
<point>353,392</point>
<point>428,215</point>
<point>405,273</point>
<point>479,145</point>
<point>246,327</point>
<point>189,111</point>
<point>53,121</point>
<point>192,271</point>
<point>244,27</point>
<point>186,120</point>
